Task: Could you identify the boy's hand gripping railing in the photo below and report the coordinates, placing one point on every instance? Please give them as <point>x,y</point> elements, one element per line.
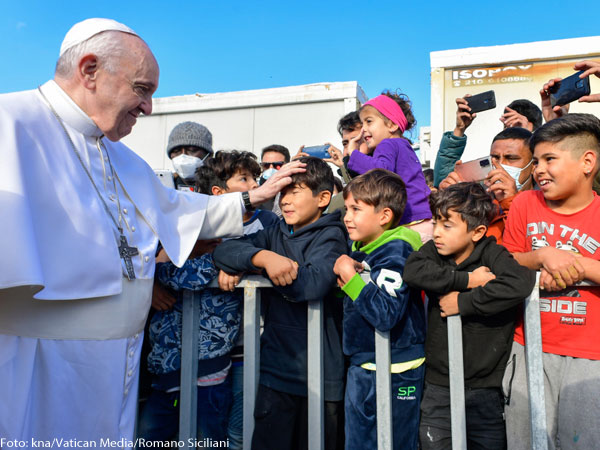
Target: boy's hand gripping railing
<point>316,429</point>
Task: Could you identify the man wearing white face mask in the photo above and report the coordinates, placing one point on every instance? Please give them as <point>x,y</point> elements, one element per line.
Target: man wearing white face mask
<point>190,143</point>
<point>272,158</point>
<point>512,172</point>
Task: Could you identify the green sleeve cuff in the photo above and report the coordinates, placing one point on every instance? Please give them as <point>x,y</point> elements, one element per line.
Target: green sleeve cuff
<point>353,287</point>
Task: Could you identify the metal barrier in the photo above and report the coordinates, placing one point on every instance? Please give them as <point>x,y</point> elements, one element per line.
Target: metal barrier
<point>535,374</point>
<point>316,436</point>
<point>252,284</point>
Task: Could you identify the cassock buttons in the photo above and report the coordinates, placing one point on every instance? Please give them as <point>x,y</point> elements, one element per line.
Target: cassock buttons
<point>130,373</point>
<point>132,228</point>
<point>109,178</point>
<point>146,258</point>
<point>112,197</point>
<point>124,210</point>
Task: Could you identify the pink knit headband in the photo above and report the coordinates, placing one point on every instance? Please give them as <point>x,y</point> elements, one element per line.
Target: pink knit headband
<point>390,109</point>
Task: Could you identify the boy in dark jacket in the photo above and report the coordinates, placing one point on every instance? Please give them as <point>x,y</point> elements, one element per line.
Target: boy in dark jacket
<point>376,298</point>
<point>298,256</point>
<point>463,272</point>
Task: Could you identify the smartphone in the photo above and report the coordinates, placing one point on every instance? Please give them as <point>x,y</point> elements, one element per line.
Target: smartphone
<point>318,151</point>
<point>476,170</point>
<point>165,177</point>
<point>569,90</point>
<point>482,102</point>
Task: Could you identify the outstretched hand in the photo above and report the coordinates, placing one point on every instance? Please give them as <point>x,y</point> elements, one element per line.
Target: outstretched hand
<point>464,118</point>
<point>276,182</point>
<point>590,67</point>
<point>336,156</point>
<point>512,119</point>
<point>452,178</point>
<point>548,111</point>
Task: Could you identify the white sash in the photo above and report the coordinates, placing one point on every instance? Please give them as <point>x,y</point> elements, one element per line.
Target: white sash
<point>112,317</point>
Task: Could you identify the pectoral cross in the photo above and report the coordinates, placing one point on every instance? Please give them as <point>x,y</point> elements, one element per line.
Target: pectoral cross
<point>126,252</point>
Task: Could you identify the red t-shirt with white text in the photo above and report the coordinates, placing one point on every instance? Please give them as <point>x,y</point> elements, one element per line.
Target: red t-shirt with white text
<point>571,317</point>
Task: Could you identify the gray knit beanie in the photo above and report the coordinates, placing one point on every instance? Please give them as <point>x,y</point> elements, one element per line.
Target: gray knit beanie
<point>190,133</point>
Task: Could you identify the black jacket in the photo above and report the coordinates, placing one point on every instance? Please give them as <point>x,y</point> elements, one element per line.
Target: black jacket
<point>283,354</point>
<point>488,313</point>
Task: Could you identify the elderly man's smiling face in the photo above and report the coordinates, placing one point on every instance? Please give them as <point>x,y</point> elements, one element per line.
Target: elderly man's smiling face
<point>121,96</point>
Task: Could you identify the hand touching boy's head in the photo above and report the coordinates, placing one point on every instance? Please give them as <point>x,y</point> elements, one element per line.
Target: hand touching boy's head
<point>303,201</point>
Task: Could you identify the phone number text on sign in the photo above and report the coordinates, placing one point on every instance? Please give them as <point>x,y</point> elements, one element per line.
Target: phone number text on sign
<point>492,75</point>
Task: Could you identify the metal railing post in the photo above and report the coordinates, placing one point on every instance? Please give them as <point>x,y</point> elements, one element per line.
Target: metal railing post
<point>383,390</point>
<point>188,399</point>
<point>535,368</point>
<point>316,404</point>
<point>458,417</point>
<point>251,351</point>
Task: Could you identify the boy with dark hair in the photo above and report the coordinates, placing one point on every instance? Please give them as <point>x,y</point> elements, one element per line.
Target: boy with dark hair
<point>219,319</point>
<point>377,299</point>
<point>464,272</point>
<point>298,257</point>
<point>555,230</point>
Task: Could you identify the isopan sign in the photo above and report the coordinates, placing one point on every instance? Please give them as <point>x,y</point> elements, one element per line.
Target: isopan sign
<point>492,75</point>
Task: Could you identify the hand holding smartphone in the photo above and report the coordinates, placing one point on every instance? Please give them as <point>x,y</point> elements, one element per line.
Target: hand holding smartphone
<point>481,102</point>
<point>318,151</point>
<point>569,89</point>
<point>476,170</point>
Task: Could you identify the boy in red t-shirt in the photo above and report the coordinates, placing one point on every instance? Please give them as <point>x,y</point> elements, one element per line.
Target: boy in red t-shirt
<point>555,230</point>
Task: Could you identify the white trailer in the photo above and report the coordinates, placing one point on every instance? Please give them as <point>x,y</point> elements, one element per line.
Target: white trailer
<point>512,71</point>
<point>250,120</point>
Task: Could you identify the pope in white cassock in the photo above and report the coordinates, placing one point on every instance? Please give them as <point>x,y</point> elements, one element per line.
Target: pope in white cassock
<point>81,218</point>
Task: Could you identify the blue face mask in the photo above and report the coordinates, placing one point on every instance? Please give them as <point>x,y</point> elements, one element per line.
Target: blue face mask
<point>268,173</point>
<point>515,173</point>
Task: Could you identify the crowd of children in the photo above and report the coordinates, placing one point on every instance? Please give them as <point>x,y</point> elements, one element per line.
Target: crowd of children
<point>401,259</point>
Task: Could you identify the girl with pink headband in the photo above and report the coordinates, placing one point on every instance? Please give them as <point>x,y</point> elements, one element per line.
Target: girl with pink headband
<point>385,118</point>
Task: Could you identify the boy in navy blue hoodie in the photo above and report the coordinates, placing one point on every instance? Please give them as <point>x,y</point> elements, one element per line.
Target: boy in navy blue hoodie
<point>298,256</point>
<point>378,299</point>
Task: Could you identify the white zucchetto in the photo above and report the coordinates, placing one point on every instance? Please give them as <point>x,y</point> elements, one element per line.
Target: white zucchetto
<point>85,29</point>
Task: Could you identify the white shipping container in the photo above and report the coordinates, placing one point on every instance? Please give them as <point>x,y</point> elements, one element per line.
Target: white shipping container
<point>516,71</point>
